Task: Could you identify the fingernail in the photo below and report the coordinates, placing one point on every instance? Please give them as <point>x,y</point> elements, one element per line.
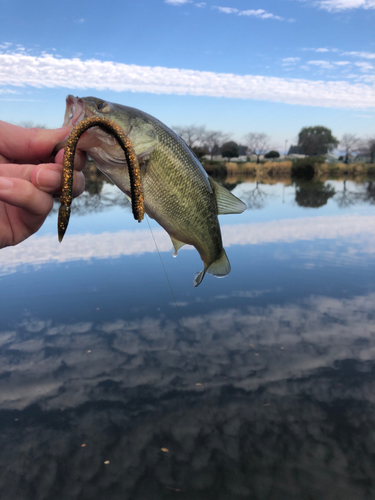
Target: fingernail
<point>47,178</point>
<point>5,183</point>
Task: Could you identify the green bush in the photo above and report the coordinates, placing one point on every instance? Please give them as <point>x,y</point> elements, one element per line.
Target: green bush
<point>217,170</point>
<point>304,168</point>
<point>272,154</point>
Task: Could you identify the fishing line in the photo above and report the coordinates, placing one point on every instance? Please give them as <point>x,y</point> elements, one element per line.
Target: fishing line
<point>214,413</point>
<point>178,309</point>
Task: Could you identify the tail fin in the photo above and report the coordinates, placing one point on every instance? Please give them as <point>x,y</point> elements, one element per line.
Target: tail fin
<point>220,267</point>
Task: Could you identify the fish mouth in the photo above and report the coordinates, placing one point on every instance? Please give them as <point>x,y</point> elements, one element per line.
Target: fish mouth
<point>75,111</point>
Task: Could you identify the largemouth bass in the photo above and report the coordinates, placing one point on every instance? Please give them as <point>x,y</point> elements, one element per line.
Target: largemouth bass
<point>178,193</point>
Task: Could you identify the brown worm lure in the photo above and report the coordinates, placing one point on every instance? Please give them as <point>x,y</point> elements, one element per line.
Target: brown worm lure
<point>68,167</point>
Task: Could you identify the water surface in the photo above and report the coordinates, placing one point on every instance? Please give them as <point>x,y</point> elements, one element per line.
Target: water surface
<point>257,386</point>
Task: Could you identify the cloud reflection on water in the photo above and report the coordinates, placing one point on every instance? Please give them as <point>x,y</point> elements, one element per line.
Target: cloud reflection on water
<point>288,367</point>
<point>46,249</point>
<point>275,377</point>
<point>329,330</point>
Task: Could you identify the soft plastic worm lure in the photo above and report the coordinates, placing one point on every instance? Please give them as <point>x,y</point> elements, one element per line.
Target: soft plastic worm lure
<point>68,167</point>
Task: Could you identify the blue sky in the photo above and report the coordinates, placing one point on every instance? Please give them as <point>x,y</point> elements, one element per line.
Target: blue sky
<point>269,66</point>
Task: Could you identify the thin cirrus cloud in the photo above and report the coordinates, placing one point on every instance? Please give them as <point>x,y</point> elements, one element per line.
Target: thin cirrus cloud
<point>18,69</point>
<point>320,49</point>
<point>340,5</point>
<point>328,64</point>
<point>260,13</point>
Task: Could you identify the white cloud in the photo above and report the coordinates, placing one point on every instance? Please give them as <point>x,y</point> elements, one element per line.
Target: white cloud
<point>321,64</point>
<point>364,55</point>
<point>290,60</point>
<point>18,69</point>
<point>8,91</point>
<point>260,13</point>
<point>366,78</point>
<point>177,2</point>
<point>200,4</point>
<point>364,66</point>
<point>340,5</point>
<point>227,10</point>
<point>322,49</point>
<point>341,63</point>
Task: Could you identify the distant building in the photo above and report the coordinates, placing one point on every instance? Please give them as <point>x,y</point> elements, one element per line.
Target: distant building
<point>294,156</point>
<point>253,157</point>
<point>295,150</point>
<point>331,158</point>
<point>363,157</point>
<point>239,158</point>
<point>214,158</point>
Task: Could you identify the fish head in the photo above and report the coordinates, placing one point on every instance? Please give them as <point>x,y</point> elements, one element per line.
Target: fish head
<point>96,141</point>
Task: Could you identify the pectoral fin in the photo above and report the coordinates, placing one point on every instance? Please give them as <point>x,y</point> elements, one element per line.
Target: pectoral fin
<point>227,203</point>
<point>176,245</point>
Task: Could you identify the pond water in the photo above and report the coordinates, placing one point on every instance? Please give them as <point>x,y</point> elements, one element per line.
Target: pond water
<point>120,380</point>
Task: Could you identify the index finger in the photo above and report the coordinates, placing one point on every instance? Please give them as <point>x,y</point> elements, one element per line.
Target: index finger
<point>27,145</point>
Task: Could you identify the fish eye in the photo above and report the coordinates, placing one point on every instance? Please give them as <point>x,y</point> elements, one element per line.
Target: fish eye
<point>72,111</point>
<point>104,107</point>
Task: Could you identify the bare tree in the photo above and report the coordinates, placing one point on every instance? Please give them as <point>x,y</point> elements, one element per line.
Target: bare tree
<point>349,144</point>
<point>213,140</point>
<point>346,198</point>
<point>192,135</point>
<point>258,143</point>
<point>30,124</point>
<point>367,148</point>
<point>256,197</point>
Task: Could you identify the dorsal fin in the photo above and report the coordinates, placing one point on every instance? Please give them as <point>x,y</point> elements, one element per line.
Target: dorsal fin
<point>227,203</point>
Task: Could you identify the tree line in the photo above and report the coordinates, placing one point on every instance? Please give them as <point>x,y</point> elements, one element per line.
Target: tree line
<point>312,141</point>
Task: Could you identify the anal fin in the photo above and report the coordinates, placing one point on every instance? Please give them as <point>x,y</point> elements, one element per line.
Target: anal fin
<point>198,278</point>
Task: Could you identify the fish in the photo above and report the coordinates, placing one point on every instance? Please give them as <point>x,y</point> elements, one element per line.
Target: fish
<point>178,193</point>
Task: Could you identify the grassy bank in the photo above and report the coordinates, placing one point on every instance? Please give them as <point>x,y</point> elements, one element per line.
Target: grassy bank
<point>305,168</point>
<point>268,169</point>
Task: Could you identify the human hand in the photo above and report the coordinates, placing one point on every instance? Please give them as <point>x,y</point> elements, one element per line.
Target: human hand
<point>29,178</point>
